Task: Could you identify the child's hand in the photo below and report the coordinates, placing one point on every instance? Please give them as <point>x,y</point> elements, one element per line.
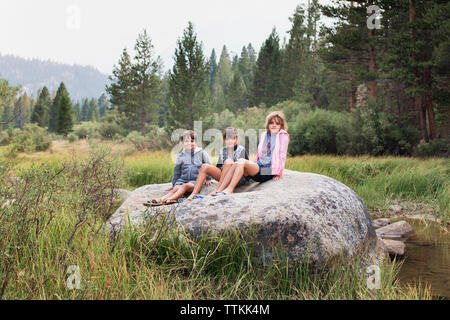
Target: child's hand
<point>208,182</point>
<point>277,178</point>
<point>169,189</point>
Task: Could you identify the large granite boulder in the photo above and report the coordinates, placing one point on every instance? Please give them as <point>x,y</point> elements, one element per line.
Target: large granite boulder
<point>308,214</point>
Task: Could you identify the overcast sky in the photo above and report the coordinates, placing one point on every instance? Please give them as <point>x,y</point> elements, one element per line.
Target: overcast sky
<point>94,32</point>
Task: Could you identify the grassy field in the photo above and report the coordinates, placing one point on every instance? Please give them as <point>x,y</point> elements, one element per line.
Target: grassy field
<point>378,181</point>
<point>57,220</point>
<point>383,181</point>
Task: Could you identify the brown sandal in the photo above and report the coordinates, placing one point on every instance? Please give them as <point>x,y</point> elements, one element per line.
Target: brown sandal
<point>169,202</point>
<point>153,203</point>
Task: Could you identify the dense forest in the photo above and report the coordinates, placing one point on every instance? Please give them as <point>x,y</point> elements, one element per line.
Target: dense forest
<point>364,85</point>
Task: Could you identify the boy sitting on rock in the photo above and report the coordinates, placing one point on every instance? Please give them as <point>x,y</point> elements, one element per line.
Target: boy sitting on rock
<point>230,154</point>
<point>186,170</point>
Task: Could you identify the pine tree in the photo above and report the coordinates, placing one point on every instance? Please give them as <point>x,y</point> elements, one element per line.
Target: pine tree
<point>40,113</point>
<point>65,114</point>
<point>188,84</point>
<point>22,111</point>
<point>313,19</point>
<point>7,98</point>
<point>245,67</point>
<point>251,54</point>
<point>234,63</point>
<point>309,83</point>
<point>413,32</point>
<point>164,102</point>
<point>103,104</point>
<point>146,80</point>
<point>32,104</point>
<point>295,54</point>
<point>76,111</point>
<point>94,114</point>
<point>54,108</point>
<point>223,75</point>
<point>121,82</point>
<point>437,17</point>
<point>212,70</point>
<point>350,47</point>
<point>220,100</point>
<point>85,112</point>
<point>222,80</point>
<point>236,93</point>
<point>266,87</point>
<point>135,87</point>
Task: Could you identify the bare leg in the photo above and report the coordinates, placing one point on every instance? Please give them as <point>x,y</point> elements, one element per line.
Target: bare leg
<point>227,177</point>
<point>187,187</point>
<point>225,168</point>
<point>244,167</point>
<point>172,192</point>
<point>205,170</point>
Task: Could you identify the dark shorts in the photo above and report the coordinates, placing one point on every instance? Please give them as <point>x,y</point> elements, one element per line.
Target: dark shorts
<point>261,177</point>
<point>242,181</point>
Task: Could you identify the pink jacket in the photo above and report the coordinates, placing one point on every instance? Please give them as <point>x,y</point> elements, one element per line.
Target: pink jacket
<point>279,151</point>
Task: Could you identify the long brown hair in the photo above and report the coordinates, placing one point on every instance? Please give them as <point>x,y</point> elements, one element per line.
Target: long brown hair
<point>279,115</point>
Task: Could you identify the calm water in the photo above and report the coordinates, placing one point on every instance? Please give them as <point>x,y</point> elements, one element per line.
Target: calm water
<point>427,258</point>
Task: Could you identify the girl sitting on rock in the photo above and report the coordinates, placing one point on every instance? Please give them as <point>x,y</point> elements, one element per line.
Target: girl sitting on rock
<point>270,158</point>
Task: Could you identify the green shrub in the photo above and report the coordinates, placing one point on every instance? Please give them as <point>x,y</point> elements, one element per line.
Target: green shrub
<point>158,139</point>
<point>32,138</point>
<point>118,138</point>
<point>5,139</point>
<point>108,130</point>
<point>72,137</point>
<point>321,132</point>
<point>291,109</point>
<point>155,139</point>
<point>369,130</point>
<point>7,136</point>
<point>381,133</point>
<point>87,129</point>
<point>137,140</point>
<point>435,147</point>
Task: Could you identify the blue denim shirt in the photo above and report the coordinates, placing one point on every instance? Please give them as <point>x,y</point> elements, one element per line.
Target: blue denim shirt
<point>188,164</point>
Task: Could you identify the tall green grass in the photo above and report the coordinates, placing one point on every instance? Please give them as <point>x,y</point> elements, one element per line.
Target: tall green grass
<point>378,181</point>
<point>147,168</point>
<point>137,266</point>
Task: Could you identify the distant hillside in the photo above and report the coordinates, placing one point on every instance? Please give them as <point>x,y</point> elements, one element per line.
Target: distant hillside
<point>80,81</point>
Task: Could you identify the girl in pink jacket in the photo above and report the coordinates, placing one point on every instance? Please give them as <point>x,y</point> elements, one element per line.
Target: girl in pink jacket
<point>270,158</point>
